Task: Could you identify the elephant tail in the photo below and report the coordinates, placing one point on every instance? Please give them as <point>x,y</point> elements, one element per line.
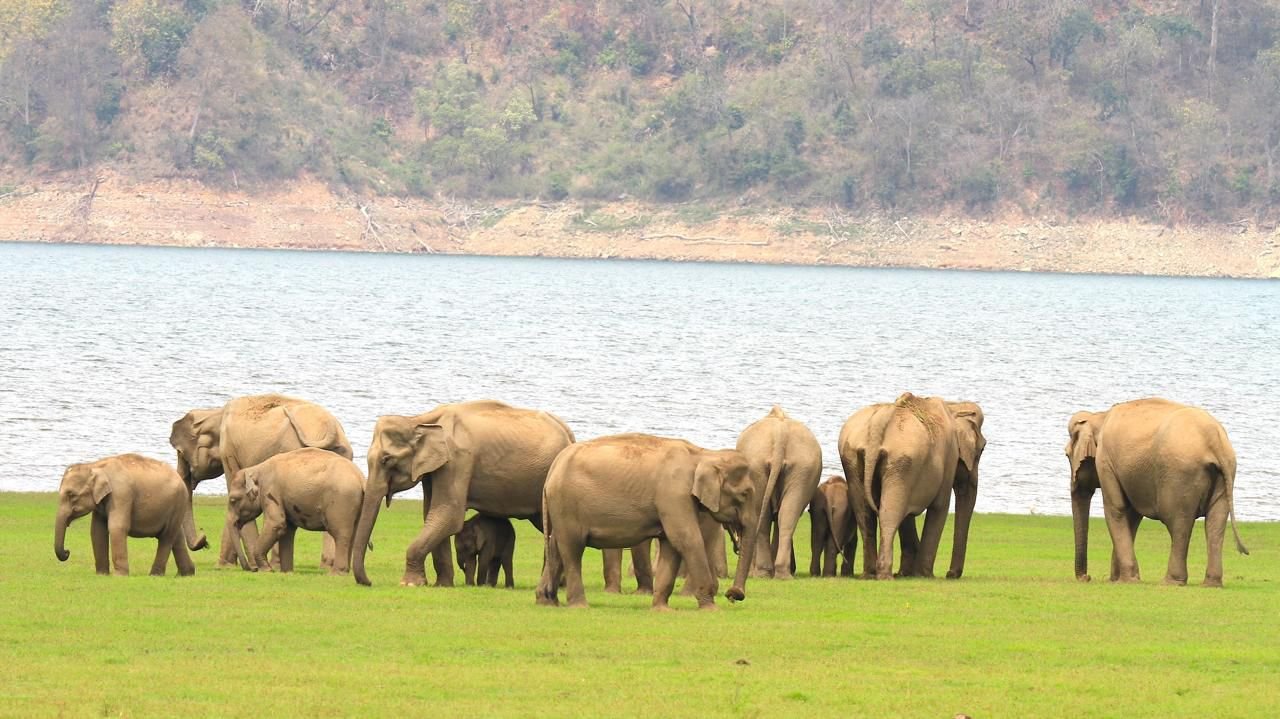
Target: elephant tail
<point>831,529</point>
<point>1228,471</point>
<point>328,441</point>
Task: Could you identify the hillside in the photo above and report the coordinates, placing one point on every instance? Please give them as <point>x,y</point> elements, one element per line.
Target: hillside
<point>1160,111</point>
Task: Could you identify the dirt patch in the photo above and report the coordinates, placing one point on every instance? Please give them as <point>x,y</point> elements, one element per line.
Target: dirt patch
<point>309,216</point>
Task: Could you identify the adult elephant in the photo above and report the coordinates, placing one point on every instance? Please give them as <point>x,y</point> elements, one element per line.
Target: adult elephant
<point>244,432</point>
<point>969,419</point>
<point>1159,459</point>
<point>483,455</point>
<point>615,492</point>
<point>832,530</point>
<point>900,460</point>
<point>779,446</point>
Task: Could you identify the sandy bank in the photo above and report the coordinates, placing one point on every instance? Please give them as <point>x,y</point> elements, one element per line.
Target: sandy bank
<point>310,216</point>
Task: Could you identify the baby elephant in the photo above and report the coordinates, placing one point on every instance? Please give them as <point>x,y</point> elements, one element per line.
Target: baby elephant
<point>129,496</point>
<point>311,488</point>
<point>485,543</point>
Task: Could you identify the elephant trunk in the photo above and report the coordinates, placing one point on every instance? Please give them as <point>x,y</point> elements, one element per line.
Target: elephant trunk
<point>737,592</point>
<point>1080,500</point>
<point>60,535</point>
<point>196,540</point>
<point>364,531</point>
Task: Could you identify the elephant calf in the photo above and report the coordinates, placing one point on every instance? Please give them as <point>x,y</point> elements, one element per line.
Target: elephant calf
<point>129,496</point>
<point>485,544</point>
<point>831,527</point>
<point>314,489</point>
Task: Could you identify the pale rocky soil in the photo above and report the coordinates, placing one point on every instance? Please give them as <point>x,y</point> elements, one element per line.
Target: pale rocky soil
<point>310,216</point>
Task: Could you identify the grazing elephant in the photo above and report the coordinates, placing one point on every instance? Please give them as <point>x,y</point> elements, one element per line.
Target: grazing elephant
<point>244,432</point>
<point>831,529</point>
<point>614,492</point>
<point>1159,459</point>
<point>780,445</point>
<point>484,455</point>
<point>485,544</point>
<point>310,488</point>
<point>900,460</point>
<point>129,496</point>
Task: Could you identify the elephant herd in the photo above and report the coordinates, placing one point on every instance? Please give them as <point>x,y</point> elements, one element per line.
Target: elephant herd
<point>289,461</point>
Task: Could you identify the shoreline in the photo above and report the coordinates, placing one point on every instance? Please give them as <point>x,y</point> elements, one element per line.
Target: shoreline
<point>308,216</point>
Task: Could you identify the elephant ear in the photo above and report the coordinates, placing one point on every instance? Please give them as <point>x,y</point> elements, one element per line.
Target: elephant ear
<point>1084,442</point>
<point>100,484</point>
<point>432,448</point>
<point>970,440</point>
<point>708,482</point>
<point>250,486</point>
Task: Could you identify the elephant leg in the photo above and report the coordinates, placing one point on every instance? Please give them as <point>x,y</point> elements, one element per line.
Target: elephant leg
<point>909,540</point>
<point>1123,526</point>
<point>784,562</point>
<point>850,550</point>
<point>444,518</point>
<point>229,550</point>
<point>164,547</point>
<point>817,540</point>
<point>489,560</point>
<point>507,558</point>
<point>664,579</point>
<point>328,551</point>
<point>612,570</point>
<point>99,535</point>
<point>1132,520</point>
<point>182,557</point>
<point>286,547</point>
<point>571,550</point>
<point>549,582</point>
<point>1179,542</point>
<point>118,536</point>
<point>935,520</point>
<point>468,571</point>
<point>342,540</point>
<point>764,549</point>
<point>1215,529</point>
<point>891,518</point>
<point>644,567</point>
<point>719,555</point>
<point>273,529</point>
<point>442,563</point>
<point>690,542</point>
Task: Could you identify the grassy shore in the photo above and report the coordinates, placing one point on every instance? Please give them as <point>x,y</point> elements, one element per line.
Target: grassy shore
<point>1016,637</point>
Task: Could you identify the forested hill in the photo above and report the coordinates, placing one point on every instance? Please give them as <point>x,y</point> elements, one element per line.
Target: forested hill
<point>1168,110</point>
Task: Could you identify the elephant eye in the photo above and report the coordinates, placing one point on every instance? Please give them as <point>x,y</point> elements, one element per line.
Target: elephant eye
<point>388,460</point>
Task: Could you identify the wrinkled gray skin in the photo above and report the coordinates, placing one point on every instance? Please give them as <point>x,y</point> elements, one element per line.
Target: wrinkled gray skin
<point>831,529</point>
<point>128,496</point>
<point>244,432</point>
<point>777,440</point>
<point>483,455</point>
<point>900,460</point>
<point>484,545</point>
<point>614,492</point>
<point>1159,459</point>
<point>310,488</point>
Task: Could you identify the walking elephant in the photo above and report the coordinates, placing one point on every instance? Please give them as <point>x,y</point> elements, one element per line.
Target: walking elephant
<point>832,530</point>
<point>311,488</point>
<point>614,492</point>
<point>484,545</point>
<point>900,460</point>
<point>782,448</point>
<point>129,496</point>
<point>244,432</point>
<point>482,455</point>
<point>1159,459</point>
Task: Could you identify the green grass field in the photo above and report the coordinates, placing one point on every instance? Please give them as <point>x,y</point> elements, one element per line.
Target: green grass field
<point>1018,636</point>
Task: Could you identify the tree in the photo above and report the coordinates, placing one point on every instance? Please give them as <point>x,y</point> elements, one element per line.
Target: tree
<point>79,64</point>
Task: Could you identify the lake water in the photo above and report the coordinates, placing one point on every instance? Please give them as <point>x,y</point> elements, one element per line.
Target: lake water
<point>102,348</point>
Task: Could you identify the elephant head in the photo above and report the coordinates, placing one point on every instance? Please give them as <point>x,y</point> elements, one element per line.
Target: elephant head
<point>244,504</point>
<point>404,451</point>
<point>195,438</point>
<point>724,483</point>
<point>1081,450</point>
<point>83,488</point>
<point>467,546</point>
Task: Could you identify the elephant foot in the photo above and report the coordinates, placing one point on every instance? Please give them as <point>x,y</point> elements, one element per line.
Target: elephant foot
<point>708,607</point>
<point>1175,582</point>
<point>543,600</point>
<point>885,576</point>
<point>224,564</point>
<point>662,608</point>
<point>412,579</point>
<point>953,574</point>
<point>444,582</point>
<point>611,589</point>
<point>580,604</point>
<point>761,574</point>
<point>646,591</point>
<point>1212,582</point>
<point>783,574</point>
<point>1126,580</point>
<point>1083,578</point>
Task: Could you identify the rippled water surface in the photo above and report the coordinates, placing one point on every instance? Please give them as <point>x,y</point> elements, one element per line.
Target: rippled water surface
<point>103,347</point>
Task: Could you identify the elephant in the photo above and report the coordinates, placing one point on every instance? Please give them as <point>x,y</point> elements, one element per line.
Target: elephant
<point>311,488</point>
<point>832,530</point>
<point>969,419</point>
<point>244,432</point>
<point>129,496</point>
<point>781,445</point>
<point>1158,459</point>
<point>483,455</point>
<point>640,562</point>
<point>485,544</point>
<point>614,492</point>
<point>900,460</point>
